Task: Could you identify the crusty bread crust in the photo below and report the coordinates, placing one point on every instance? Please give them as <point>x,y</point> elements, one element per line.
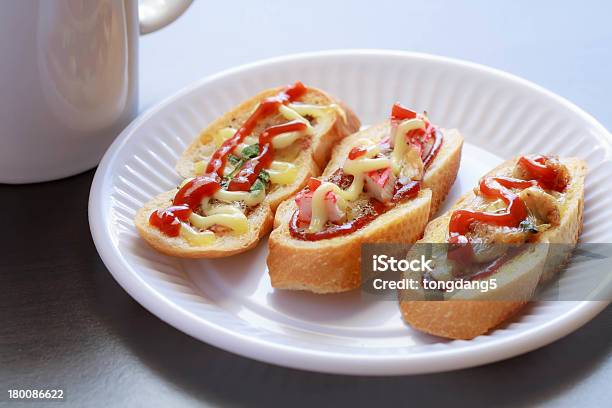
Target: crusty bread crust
<point>311,155</point>
<point>333,265</point>
<point>458,319</point>
<point>517,279</point>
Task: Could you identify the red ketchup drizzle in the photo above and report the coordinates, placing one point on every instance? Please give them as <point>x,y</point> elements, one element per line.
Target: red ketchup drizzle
<point>169,220</point>
<point>460,249</point>
<point>401,191</point>
<point>404,191</point>
<point>377,208</point>
<point>537,168</point>
<point>313,183</point>
<point>250,170</point>
<point>357,152</point>
<point>193,192</point>
<point>399,112</point>
<point>493,187</point>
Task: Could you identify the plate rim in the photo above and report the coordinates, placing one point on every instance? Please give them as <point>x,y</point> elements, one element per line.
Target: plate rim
<point>297,357</point>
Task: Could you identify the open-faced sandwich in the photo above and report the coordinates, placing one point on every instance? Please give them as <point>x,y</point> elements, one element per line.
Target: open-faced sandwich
<point>240,168</point>
<point>501,230</point>
<point>381,185</point>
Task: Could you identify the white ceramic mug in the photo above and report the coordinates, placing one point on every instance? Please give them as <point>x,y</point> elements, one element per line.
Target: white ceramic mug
<point>69,80</point>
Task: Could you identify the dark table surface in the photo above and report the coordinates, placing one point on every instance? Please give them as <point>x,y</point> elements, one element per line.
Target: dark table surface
<point>65,323</point>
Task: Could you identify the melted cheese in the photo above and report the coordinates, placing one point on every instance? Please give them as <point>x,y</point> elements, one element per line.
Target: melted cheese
<point>357,168</point>
<point>195,238</point>
<point>319,212</point>
<point>249,140</point>
<point>401,145</point>
<point>297,112</point>
<point>278,142</point>
<point>222,135</point>
<point>291,114</point>
<point>226,216</point>
<point>282,172</point>
<point>318,111</point>
<point>362,164</point>
<point>285,139</point>
<point>224,209</point>
<point>251,199</point>
<point>200,166</point>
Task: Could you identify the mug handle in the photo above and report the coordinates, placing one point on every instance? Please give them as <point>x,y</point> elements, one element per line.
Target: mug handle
<point>155,14</point>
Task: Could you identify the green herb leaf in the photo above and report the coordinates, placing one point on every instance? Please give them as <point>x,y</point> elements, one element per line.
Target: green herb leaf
<point>258,185</point>
<point>234,160</point>
<point>264,176</point>
<point>250,151</point>
<point>237,163</point>
<point>236,169</point>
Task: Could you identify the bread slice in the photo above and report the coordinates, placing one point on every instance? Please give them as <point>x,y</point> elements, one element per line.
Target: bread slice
<point>333,265</point>
<point>314,151</point>
<point>260,222</point>
<point>469,313</point>
<point>309,154</point>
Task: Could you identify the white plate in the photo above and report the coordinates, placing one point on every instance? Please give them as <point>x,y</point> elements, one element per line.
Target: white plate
<point>229,303</point>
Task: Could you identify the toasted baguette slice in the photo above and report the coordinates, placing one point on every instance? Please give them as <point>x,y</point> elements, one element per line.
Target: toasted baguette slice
<point>260,222</point>
<point>333,265</point>
<point>309,154</point>
<point>312,153</point>
<point>466,314</point>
